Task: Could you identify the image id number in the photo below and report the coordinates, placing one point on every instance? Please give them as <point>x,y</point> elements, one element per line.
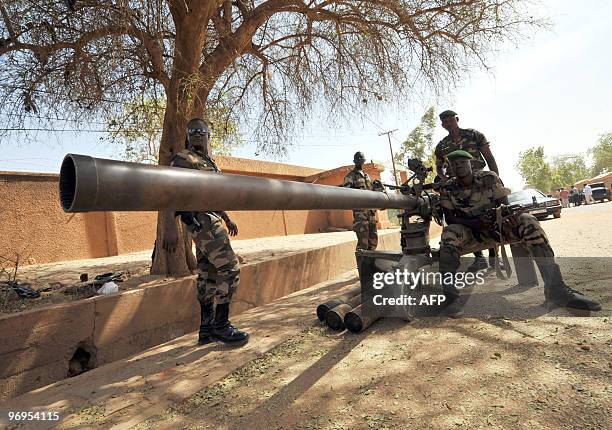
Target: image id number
<point>33,416</point>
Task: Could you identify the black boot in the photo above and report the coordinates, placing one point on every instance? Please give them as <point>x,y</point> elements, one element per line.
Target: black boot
<point>224,331</point>
<point>206,320</point>
<point>448,264</point>
<point>557,292</point>
<point>479,263</point>
<point>555,289</point>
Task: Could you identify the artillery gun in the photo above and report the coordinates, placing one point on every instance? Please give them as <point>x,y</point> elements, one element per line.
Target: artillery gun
<point>92,184</point>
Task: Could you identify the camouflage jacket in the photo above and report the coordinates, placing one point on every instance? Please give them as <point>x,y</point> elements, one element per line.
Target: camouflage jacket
<point>471,141</point>
<point>358,179</point>
<point>194,160</point>
<point>474,201</point>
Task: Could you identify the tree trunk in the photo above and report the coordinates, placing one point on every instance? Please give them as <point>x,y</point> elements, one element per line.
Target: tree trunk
<point>181,262</point>
<point>181,96</point>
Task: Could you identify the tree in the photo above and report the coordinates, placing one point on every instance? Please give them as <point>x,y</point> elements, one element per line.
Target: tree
<point>138,128</point>
<point>534,169</point>
<point>602,155</point>
<point>419,144</point>
<point>268,61</point>
<point>568,170</point>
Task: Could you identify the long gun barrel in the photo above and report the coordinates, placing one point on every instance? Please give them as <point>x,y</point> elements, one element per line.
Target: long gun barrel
<point>95,184</point>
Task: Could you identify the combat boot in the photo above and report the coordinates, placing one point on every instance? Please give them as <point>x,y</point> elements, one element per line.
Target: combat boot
<point>452,306</point>
<point>557,292</point>
<point>479,263</point>
<point>224,331</point>
<point>206,320</point>
<point>555,289</point>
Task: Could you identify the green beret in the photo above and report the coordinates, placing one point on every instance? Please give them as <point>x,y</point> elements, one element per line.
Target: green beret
<point>459,153</point>
<point>447,113</point>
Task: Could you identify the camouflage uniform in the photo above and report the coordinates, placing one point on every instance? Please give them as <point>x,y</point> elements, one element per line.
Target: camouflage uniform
<point>364,220</point>
<point>472,203</point>
<point>218,267</point>
<point>471,141</point>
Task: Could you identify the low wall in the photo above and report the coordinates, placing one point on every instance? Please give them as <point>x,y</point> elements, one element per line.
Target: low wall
<point>38,345</point>
<point>35,227</point>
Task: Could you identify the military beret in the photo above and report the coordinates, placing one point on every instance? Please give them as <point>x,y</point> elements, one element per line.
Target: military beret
<point>459,153</point>
<point>447,113</point>
<point>358,156</point>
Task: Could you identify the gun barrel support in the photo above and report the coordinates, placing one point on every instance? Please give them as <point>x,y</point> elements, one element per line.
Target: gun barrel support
<point>93,184</point>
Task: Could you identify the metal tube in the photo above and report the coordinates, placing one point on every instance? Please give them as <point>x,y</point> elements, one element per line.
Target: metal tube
<point>334,318</point>
<point>94,184</point>
<point>323,308</point>
<point>359,319</point>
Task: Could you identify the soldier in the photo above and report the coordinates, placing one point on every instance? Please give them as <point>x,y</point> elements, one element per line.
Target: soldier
<point>364,220</point>
<point>464,199</point>
<point>476,144</point>
<point>218,268</point>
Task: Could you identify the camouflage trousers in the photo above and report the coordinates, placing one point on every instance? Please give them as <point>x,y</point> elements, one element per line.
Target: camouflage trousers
<point>218,267</point>
<point>364,225</point>
<point>458,239</point>
<point>461,238</point>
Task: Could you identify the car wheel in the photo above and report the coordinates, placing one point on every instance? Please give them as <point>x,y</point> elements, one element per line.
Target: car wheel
<point>557,214</point>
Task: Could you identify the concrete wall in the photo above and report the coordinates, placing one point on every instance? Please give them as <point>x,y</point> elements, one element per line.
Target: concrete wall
<point>37,345</point>
<point>34,226</point>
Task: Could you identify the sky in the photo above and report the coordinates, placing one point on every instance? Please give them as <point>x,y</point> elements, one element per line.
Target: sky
<point>554,91</point>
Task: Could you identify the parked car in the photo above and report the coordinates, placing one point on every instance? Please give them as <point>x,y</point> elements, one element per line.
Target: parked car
<point>537,203</point>
<point>600,192</point>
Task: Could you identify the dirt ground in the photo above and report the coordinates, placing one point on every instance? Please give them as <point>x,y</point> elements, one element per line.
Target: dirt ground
<point>495,369</point>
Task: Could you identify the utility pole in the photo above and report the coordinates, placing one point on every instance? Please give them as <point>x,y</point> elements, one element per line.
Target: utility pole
<point>388,133</point>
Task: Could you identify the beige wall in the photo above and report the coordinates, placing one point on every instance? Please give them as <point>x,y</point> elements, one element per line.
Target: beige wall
<point>33,225</point>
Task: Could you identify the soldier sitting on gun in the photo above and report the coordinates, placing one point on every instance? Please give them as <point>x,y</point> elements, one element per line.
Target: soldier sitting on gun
<point>364,220</point>
<point>218,268</point>
<point>464,200</point>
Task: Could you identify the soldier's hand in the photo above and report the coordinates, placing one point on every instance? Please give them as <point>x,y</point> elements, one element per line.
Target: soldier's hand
<point>170,241</point>
<point>510,225</point>
<point>232,228</point>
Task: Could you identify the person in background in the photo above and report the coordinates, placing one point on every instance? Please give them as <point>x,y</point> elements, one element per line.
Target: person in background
<point>564,195</point>
<point>588,194</point>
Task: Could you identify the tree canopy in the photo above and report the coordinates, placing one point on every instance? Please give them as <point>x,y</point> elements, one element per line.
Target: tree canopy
<point>419,144</point>
<point>602,155</point>
<point>264,61</point>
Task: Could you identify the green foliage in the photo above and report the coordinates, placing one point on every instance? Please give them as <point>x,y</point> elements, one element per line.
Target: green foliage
<point>568,170</point>
<point>534,169</point>
<point>138,130</point>
<point>602,155</point>
<point>419,144</point>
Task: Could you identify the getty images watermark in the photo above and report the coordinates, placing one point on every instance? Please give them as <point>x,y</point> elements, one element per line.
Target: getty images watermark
<point>390,286</point>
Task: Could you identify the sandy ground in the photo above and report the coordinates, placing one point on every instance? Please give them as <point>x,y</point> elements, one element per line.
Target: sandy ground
<point>56,281</point>
<point>511,363</point>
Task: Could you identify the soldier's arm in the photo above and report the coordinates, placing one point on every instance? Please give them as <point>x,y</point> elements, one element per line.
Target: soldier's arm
<point>488,156</point>
<point>440,167</point>
<point>348,181</point>
<point>232,227</point>
<point>473,223</point>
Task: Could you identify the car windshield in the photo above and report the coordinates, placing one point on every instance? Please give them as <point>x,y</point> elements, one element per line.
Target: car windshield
<point>525,195</point>
<point>598,186</point>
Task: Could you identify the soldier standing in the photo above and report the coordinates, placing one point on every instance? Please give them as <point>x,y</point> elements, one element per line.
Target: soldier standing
<point>364,220</point>
<point>476,144</point>
<point>218,268</point>
<point>464,199</point>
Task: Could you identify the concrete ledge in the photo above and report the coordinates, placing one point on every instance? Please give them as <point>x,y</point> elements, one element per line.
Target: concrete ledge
<point>38,345</point>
